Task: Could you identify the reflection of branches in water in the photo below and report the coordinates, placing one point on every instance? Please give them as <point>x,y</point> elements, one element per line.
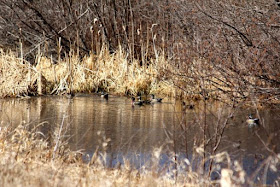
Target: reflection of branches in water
<point>266,145</point>
<point>262,127</point>
<point>269,162</point>
<point>218,135</point>
<point>213,134</point>
<point>84,135</point>
<point>128,142</point>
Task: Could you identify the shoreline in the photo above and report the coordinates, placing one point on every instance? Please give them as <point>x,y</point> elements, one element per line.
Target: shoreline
<point>116,75</point>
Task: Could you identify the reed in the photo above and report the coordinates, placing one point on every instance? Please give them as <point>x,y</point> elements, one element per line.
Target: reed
<point>118,74</point>
<point>14,75</point>
<point>113,73</point>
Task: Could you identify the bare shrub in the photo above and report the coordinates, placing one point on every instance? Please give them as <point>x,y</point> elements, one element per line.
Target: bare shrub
<point>220,48</point>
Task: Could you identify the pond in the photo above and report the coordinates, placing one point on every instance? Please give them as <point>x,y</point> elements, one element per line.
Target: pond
<point>137,134</point>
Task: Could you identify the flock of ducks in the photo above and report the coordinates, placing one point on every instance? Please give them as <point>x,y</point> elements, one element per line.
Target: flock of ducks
<point>138,102</point>
<point>252,122</point>
<point>141,102</point>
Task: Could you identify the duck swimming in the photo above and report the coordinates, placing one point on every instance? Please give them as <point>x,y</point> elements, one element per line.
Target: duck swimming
<point>252,122</point>
<point>144,101</point>
<point>187,106</point>
<point>104,95</point>
<point>133,102</point>
<point>155,100</point>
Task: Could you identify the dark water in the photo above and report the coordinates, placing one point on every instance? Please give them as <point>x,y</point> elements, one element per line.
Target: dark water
<point>122,132</point>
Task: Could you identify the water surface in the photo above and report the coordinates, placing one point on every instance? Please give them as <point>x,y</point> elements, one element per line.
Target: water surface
<point>123,132</point>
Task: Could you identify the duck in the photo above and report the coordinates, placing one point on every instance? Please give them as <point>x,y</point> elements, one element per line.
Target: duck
<point>237,144</point>
<point>252,122</point>
<point>70,95</point>
<point>144,101</point>
<point>155,100</point>
<point>104,95</point>
<point>140,103</point>
<point>139,97</point>
<point>185,106</point>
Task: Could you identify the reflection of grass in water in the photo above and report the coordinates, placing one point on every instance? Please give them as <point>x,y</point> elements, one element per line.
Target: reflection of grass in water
<point>27,159</point>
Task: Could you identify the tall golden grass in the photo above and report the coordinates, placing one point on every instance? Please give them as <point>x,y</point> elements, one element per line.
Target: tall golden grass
<point>113,73</point>
<point>13,76</point>
<point>116,74</point>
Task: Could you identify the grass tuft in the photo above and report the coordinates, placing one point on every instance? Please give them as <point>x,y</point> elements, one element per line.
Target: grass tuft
<point>113,73</point>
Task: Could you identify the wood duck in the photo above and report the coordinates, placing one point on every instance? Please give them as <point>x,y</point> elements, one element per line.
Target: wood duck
<point>104,95</point>
<point>155,100</point>
<point>252,122</point>
<point>133,102</point>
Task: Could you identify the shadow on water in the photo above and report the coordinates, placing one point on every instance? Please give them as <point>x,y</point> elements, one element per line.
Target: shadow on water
<point>122,132</point>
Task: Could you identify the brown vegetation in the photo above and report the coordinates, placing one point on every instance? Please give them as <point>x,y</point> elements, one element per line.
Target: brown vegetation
<point>226,50</point>
<point>31,158</point>
<point>106,72</point>
<point>201,48</point>
<point>28,158</point>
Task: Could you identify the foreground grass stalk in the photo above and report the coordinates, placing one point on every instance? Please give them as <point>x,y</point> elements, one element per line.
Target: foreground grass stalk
<point>58,138</point>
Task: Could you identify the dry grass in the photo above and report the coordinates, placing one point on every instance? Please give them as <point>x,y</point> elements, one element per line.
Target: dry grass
<point>13,75</point>
<point>109,72</point>
<point>116,74</point>
<point>27,160</point>
<point>31,158</point>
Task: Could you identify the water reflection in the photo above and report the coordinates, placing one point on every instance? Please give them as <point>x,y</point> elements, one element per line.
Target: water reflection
<point>123,131</point>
